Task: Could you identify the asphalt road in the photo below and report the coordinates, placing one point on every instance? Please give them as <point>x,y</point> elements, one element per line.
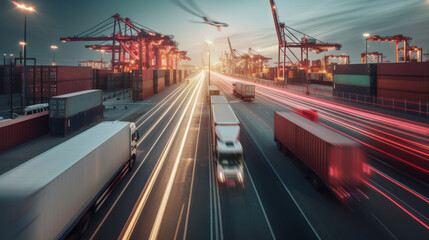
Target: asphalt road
<point>172,193</point>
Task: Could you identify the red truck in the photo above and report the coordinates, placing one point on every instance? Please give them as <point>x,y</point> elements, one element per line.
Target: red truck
<point>329,157</point>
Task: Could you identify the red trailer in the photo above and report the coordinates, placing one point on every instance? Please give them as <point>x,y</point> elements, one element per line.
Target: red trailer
<point>332,158</point>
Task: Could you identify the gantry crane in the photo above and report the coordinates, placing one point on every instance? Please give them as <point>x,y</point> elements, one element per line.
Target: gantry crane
<point>287,38</point>
<point>146,48</point>
<point>344,59</point>
<point>396,39</point>
<point>376,57</point>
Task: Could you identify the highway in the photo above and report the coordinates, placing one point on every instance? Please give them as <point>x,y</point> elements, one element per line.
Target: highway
<point>172,193</point>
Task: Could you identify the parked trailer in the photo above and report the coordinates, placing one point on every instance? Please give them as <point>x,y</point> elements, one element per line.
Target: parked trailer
<point>213,91</point>
<point>336,160</point>
<point>46,197</point>
<point>245,91</point>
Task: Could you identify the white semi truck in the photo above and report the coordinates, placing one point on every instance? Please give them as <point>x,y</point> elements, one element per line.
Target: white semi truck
<point>55,194</point>
<point>227,147</point>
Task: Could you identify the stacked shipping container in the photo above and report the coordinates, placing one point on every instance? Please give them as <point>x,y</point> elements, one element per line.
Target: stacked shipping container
<point>168,77</point>
<point>116,81</point>
<point>403,81</point>
<point>100,79</point>
<point>356,78</point>
<point>70,112</point>
<point>158,80</point>
<point>142,84</point>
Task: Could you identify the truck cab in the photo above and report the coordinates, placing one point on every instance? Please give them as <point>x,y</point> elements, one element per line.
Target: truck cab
<point>230,163</point>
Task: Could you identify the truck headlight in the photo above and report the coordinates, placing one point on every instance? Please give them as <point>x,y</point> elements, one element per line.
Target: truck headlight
<point>240,177</point>
<point>221,176</point>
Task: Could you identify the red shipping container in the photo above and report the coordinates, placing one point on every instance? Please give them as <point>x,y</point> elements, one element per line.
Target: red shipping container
<point>404,83</point>
<point>335,159</point>
<point>402,95</point>
<point>17,131</point>
<point>403,69</point>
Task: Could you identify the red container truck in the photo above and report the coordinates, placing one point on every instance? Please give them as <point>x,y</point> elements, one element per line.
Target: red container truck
<point>330,157</point>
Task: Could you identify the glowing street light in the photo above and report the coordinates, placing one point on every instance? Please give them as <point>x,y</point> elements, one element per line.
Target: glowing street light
<point>53,47</point>
<point>23,44</point>
<point>366,36</point>
<point>26,9</point>
<point>209,43</point>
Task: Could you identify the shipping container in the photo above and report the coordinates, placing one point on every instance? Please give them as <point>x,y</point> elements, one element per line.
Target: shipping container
<point>403,69</point>
<point>336,160</point>
<point>403,95</point>
<point>168,77</point>
<point>355,69</point>
<point>17,131</point>
<point>63,126</point>
<point>353,89</point>
<point>404,83</point>
<point>244,90</point>
<point>68,105</point>
<point>175,76</point>
<point>158,80</point>
<point>218,99</point>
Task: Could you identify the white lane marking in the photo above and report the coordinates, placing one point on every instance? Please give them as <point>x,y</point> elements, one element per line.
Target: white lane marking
<point>138,208</point>
<point>178,222</point>
<point>193,172</point>
<point>135,172</point>
<point>384,226</point>
<point>160,215</point>
<point>260,202</point>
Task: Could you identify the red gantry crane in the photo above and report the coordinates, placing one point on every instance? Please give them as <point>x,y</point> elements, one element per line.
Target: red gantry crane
<point>287,38</point>
<point>398,39</point>
<point>132,45</point>
<point>376,57</point>
<point>344,59</point>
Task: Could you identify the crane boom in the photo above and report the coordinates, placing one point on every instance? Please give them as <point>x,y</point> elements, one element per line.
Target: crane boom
<point>279,26</point>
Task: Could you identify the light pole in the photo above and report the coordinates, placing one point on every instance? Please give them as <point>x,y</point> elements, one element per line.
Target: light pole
<point>53,47</point>
<point>366,36</point>
<point>209,43</point>
<point>102,54</point>
<point>26,9</point>
<point>23,45</point>
<point>4,59</point>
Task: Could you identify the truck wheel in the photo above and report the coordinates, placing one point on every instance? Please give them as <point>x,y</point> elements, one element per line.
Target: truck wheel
<point>132,163</point>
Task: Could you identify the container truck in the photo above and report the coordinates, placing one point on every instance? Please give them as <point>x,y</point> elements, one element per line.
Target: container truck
<point>329,157</point>
<point>245,91</point>
<point>228,152</point>
<point>54,194</point>
<point>213,91</point>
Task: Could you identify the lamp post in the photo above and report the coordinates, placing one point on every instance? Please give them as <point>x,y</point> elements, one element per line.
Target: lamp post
<point>366,36</point>
<point>53,47</point>
<point>4,59</point>
<point>209,43</point>
<point>23,45</point>
<point>26,9</point>
<point>102,54</point>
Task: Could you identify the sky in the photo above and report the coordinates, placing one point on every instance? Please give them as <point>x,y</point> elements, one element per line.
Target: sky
<point>250,25</point>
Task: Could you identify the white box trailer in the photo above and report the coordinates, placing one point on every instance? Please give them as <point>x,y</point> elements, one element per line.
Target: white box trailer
<point>245,91</point>
<point>46,197</point>
<point>227,147</point>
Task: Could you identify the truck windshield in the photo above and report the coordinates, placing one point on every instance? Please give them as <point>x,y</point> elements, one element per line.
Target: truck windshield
<point>230,159</point>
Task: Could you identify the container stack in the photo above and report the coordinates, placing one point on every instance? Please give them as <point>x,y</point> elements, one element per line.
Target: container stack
<point>44,82</point>
<point>142,84</point>
<point>70,112</point>
<point>100,79</point>
<point>356,78</point>
<point>175,76</point>
<point>158,81</point>
<point>296,76</point>
<point>403,81</point>
<point>168,77</point>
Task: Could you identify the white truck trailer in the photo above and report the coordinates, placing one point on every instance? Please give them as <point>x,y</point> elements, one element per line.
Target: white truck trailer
<point>245,91</point>
<point>227,147</point>
<point>58,191</point>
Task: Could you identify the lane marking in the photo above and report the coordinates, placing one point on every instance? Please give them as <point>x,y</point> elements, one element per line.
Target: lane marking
<point>178,222</point>
<point>138,208</point>
<point>160,215</point>
<point>260,202</point>
<point>384,226</point>
<point>138,168</point>
<point>193,172</point>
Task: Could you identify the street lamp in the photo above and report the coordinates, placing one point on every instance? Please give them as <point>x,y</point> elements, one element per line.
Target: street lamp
<point>102,54</point>
<point>26,9</point>
<point>53,47</point>
<point>366,36</point>
<point>23,45</point>
<point>4,59</point>
<point>209,43</point>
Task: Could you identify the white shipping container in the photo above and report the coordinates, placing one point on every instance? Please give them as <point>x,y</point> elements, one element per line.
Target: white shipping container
<point>67,105</point>
<point>43,197</point>
<point>245,90</point>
